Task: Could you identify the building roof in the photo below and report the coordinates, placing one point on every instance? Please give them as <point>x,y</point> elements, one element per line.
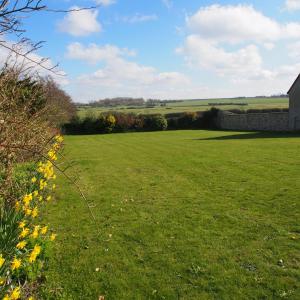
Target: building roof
<point>298,78</point>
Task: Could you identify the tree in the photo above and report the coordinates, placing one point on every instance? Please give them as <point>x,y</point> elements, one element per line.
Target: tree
<point>60,106</point>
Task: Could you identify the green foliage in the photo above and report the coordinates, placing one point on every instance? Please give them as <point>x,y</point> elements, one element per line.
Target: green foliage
<point>209,119</point>
<point>181,215</point>
<point>155,123</point>
<point>23,239</point>
<point>187,120</point>
<point>9,230</point>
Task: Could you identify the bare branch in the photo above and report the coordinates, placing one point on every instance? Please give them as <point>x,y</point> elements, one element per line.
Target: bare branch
<point>11,13</point>
<point>72,9</point>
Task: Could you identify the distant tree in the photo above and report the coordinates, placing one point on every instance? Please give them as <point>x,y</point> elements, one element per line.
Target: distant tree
<point>120,101</point>
<point>60,106</point>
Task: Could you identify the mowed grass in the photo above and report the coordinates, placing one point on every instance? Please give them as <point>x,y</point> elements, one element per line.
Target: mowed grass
<point>194,106</point>
<point>179,215</point>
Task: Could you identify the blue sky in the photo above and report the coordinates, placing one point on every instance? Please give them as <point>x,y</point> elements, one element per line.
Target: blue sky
<point>172,49</point>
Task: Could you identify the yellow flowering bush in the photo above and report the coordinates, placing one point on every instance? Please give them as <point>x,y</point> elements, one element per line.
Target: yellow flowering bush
<point>23,238</point>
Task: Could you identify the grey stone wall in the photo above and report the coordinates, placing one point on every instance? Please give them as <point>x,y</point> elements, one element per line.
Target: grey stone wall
<point>278,121</point>
<point>295,107</point>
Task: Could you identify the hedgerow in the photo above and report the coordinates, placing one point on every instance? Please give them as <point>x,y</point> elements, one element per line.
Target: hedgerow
<point>24,239</point>
<point>92,124</point>
<point>29,146</point>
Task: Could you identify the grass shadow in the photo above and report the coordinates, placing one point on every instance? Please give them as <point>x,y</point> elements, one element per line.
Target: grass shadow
<point>252,135</point>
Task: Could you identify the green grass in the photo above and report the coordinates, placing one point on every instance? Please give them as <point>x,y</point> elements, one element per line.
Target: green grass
<point>196,105</point>
<point>192,214</point>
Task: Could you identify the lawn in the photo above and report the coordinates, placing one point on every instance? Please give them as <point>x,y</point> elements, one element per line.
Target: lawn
<point>195,105</point>
<point>179,215</point>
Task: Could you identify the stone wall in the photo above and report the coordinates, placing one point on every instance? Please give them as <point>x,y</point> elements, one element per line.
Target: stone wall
<point>277,121</point>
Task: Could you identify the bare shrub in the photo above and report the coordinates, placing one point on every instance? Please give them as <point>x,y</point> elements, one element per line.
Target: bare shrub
<point>24,130</point>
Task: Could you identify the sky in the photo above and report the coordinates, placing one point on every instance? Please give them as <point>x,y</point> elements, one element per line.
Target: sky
<point>171,49</point>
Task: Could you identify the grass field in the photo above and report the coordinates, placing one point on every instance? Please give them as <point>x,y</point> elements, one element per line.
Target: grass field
<point>197,105</point>
<point>181,215</point>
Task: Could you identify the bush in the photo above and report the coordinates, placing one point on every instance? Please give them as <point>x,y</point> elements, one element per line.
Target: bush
<point>173,123</point>
<point>209,119</point>
<point>109,123</point>
<point>155,123</point>
<point>125,122</point>
<point>187,120</point>
<point>139,123</point>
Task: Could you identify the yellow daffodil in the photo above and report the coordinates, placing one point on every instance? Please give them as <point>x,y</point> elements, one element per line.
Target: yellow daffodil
<point>34,253</point>
<point>33,179</point>
<point>43,184</point>
<point>35,232</point>
<point>22,224</point>
<point>55,146</point>
<point>21,245</point>
<point>59,138</point>
<point>52,155</point>
<point>53,237</point>
<point>24,233</point>
<point>17,205</point>
<point>27,199</point>
<point>15,295</point>
<point>27,211</point>
<point>48,198</point>
<point>15,264</point>
<point>35,193</point>
<point>34,212</point>
<point>2,260</point>
<point>44,230</point>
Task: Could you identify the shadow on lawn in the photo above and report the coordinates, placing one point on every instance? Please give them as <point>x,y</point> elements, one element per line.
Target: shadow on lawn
<point>252,135</point>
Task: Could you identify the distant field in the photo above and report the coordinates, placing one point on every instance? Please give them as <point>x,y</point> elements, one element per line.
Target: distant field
<point>197,105</point>
<point>181,215</point>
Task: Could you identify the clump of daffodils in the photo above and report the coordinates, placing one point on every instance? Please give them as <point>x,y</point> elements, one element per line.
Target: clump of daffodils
<point>31,236</point>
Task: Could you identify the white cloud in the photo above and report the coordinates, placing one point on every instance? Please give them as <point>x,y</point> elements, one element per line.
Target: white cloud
<point>168,3</point>
<point>294,50</point>
<point>105,2</point>
<point>139,18</point>
<point>244,62</point>
<point>292,4</point>
<point>269,46</point>
<point>94,54</point>
<point>236,24</point>
<point>80,23</point>
<point>122,77</point>
<point>227,39</point>
<point>32,63</point>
